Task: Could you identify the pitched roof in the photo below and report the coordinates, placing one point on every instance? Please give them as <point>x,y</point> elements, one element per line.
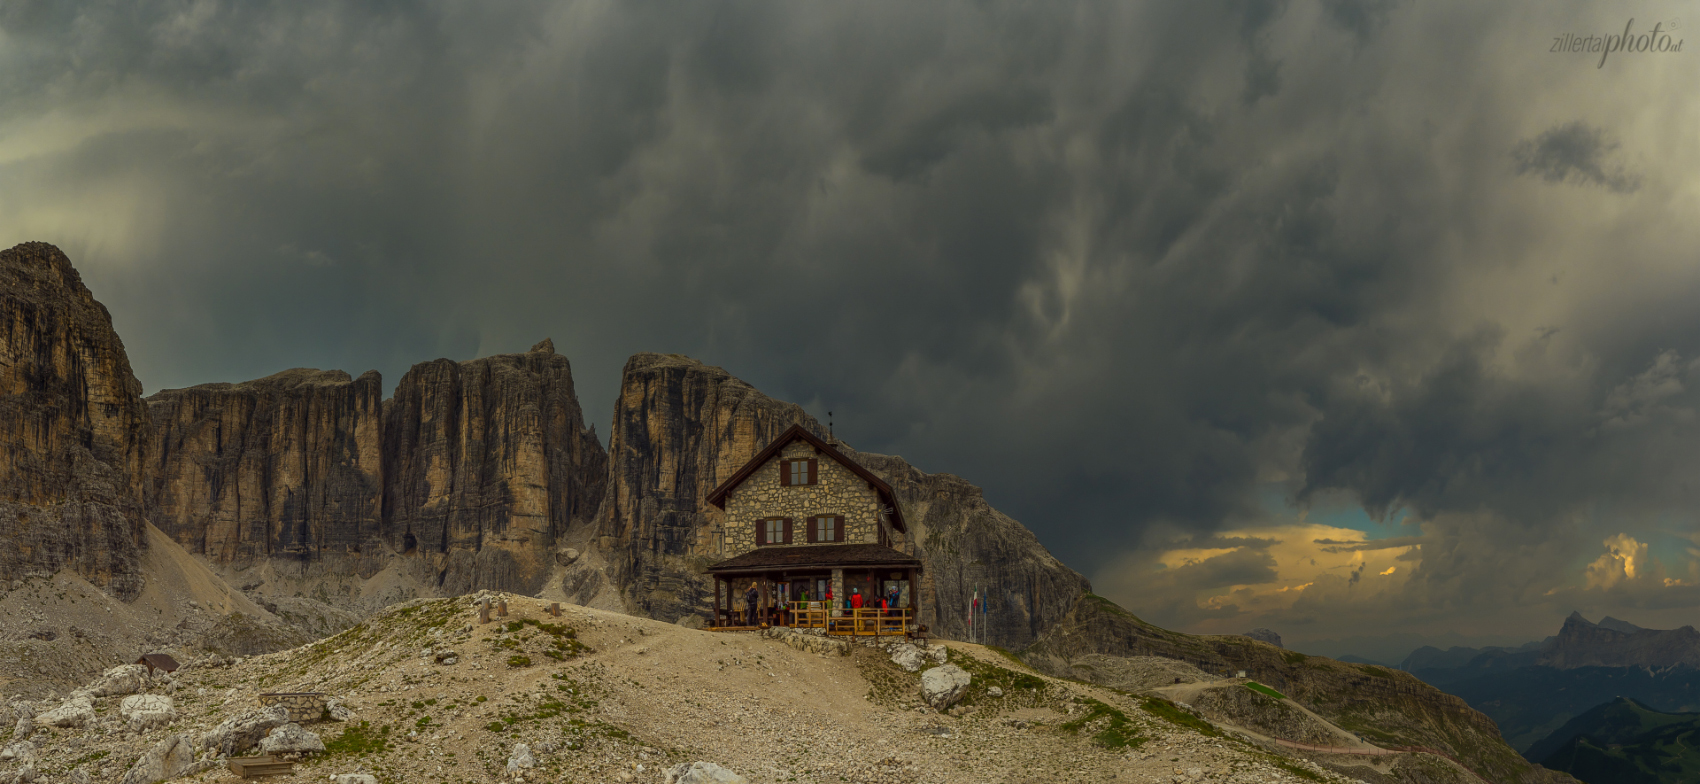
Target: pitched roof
<point>816,555</point>
<point>792,433</point>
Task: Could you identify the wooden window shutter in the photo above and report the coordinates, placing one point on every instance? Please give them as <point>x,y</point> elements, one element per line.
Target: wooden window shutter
<point>812,463</point>
<point>810,534</point>
<point>837,528</point>
<point>787,530</point>
<point>784,473</point>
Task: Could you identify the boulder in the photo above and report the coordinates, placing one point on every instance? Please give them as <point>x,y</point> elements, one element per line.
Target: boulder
<point>909,657</point>
<point>168,759</point>
<point>994,692</point>
<point>942,686</point>
<point>244,730</point>
<point>521,758</point>
<point>23,751</point>
<point>938,653</point>
<point>119,681</point>
<point>292,739</point>
<point>566,556</point>
<point>338,711</point>
<point>147,711</point>
<point>702,773</point>
<point>74,712</point>
<point>354,778</point>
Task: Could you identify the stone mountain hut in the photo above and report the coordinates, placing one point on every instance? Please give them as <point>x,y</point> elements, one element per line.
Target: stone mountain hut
<point>803,519</point>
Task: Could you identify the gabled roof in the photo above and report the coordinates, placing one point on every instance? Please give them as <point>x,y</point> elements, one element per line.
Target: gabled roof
<point>794,432</point>
<point>816,556</point>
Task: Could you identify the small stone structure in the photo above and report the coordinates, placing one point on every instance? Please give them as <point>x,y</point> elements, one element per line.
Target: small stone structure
<point>302,705</point>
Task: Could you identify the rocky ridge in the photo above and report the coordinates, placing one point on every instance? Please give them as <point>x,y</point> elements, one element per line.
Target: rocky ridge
<point>1385,706</point>
<point>1583,644</point>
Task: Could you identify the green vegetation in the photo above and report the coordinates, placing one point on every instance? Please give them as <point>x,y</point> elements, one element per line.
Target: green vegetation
<point>1625,741</point>
<point>1111,727</point>
<point>1020,689</point>
<point>1265,690</point>
<point>1294,657</point>
<point>1374,671</point>
<point>359,739</point>
<point>520,660</point>
<point>1172,713</point>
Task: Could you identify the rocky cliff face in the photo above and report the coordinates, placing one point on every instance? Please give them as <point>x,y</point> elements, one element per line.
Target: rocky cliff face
<point>968,546</point>
<point>682,427</point>
<point>288,466</point>
<point>474,470</point>
<point>1583,644</point>
<point>74,433</point>
<point>488,465</point>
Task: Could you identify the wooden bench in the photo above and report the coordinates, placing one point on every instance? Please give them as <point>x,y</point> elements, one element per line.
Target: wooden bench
<point>255,767</point>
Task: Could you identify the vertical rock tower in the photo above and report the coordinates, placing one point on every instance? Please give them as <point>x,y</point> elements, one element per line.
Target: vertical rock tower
<point>489,464</point>
<point>75,437</point>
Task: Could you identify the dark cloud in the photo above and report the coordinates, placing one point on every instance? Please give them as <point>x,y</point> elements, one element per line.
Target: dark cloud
<point>1575,153</point>
<point>1127,267</point>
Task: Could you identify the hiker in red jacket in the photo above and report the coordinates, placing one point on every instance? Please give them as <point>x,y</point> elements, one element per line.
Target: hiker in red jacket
<point>856,599</point>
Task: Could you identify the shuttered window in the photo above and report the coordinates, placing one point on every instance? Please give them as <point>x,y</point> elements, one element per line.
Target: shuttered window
<point>826,528</point>
<point>773,531</point>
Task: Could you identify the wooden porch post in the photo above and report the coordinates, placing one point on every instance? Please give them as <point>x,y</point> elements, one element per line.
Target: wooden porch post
<point>914,597</point>
<point>761,609</point>
<point>717,601</point>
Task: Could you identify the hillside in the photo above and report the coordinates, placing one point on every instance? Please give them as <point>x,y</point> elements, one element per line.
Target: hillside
<point>1387,707</point>
<point>424,692</point>
<point>1625,742</point>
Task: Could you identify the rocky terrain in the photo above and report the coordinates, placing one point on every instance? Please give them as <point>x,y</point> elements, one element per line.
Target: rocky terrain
<point>423,692</point>
<point>1386,707</point>
<point>74,435</point>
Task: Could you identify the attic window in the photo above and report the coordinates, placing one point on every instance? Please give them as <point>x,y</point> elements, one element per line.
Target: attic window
<point>797,472</point>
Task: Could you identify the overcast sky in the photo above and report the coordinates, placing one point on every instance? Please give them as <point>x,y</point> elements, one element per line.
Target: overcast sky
<point>1338,317</point>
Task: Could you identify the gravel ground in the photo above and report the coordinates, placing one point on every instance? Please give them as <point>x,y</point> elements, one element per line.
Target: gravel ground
<point>604,697</point>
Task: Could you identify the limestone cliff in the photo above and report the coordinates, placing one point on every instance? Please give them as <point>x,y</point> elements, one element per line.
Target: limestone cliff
<point>681,427</point>
<point>74,433</point>
<point>287,466</point>
<point>488,465</point>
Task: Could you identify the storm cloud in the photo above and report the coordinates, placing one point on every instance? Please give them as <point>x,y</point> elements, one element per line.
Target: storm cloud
<point>1135,269</point>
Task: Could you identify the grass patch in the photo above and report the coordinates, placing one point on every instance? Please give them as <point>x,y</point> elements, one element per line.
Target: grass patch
<point>519,661</point>
<point>1265,690</point>
<point>360,739</point>
<point>1019,688</point>
<point>1374,671</point>
<point>1113,729</point>
<point>1294,657</point>
<point>1173,714</point>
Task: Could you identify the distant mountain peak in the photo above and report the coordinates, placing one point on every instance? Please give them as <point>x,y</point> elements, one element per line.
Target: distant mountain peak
<point>1614,624</point>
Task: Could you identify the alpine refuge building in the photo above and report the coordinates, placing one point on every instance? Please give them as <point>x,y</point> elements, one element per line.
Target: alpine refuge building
<point>810,537</point>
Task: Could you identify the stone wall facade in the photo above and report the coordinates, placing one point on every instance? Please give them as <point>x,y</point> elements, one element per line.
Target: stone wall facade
<point>837,491</point>
<point>302,706</point>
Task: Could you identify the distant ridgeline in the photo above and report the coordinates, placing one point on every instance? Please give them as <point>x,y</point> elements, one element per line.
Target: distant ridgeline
<point>1532,692</point>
